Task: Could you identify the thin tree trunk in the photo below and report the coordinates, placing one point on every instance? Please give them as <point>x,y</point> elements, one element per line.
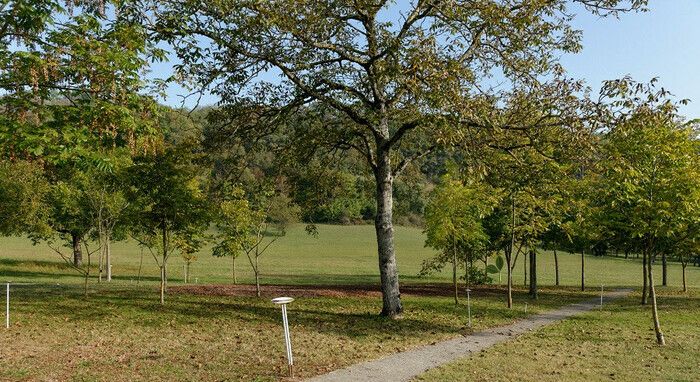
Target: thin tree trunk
<point>389,276</point>
<point>101,236</point>
<point>108,253</point>
<point>556,267</point>
<point>509,277</point>
<point>466,272</point>
<point>233,269</point>
<point>654,310</point>
<point>645,275</point>
<point>627,254</point>
<point>138,279</point>
<point>583,270</point>
<point>257,276</point>
<point>533,273</point>
<point>685,286</point>
<point>664,270</point>
<point>524,272</point>
<point>162,285</point>
<point>100,263</point>
<point>509,255</point>
<point>163,274</point>
<point>454,269</point>
<point>486,265</point>
<point>77,250</point>
<point>87,273</point>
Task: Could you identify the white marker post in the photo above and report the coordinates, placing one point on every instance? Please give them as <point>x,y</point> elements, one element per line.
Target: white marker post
<point>469,308</point>
<point>283,301</point>
<point>7,307</point>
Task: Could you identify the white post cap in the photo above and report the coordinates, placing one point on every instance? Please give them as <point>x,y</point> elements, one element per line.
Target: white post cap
<point>282,300</point>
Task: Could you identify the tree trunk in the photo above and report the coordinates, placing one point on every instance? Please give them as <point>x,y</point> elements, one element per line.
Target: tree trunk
<point>187,273</point>
<point>162,285</point>
<point>233,269</point>
<point>664,270</point>
<point>583,270</point>
<point>87,272</point>
<point>108,256</point>
<point>685,286</point>
<point>77,249</point>
<point>533,273</point>
<point>466,272</point>
<point>100,265</point>
<point>556,268</point>
<point>454,270</point>
<point>257,276</point>
<point>627,254</point>
<point>383,224</point>
<point>654,311</point>
<point>524,272</point>
<point>509,254</point>
<point>138,278</point>
<point>646,277</point>
<point>486,265</point>
<point>163,274</point>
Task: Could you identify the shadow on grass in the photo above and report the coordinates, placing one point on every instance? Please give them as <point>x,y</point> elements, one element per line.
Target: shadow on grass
<point>54,270</point>
<point>354,317</point>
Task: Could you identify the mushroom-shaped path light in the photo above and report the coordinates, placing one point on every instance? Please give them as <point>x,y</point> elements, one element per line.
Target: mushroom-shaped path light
<point>283,301</point>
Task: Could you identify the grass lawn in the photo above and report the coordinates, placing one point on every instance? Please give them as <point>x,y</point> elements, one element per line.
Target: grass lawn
<point>617,344</point>
<point>340,255</point>
<point>121,333</point>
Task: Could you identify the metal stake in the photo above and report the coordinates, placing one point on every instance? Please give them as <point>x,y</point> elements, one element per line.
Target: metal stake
<point>7,307</point>
<point>283,301</point>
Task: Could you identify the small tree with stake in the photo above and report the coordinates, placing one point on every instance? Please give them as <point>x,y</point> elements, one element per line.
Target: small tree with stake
<point>650,163</point>
<point>169,205</point>
<point>453,223</point>
<point>233,221</point>
<point>267,224</point>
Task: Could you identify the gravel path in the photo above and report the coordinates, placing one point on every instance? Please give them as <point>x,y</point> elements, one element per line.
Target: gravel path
<point>407,365</point>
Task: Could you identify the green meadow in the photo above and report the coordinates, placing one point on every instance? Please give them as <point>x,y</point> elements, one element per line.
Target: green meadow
<point>338,255</point>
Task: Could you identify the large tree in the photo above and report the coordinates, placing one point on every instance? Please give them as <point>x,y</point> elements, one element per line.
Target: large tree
<point>389,79</point>
<point>71,92</point>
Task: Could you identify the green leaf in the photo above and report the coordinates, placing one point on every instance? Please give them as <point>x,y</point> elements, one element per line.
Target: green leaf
<point>492,269</point>
<point>500,262</point>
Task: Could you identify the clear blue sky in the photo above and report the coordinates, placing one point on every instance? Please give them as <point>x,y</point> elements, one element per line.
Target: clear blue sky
<point>664,43</point>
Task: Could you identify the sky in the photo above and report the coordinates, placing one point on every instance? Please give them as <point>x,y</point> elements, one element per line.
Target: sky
<point>663,42</point>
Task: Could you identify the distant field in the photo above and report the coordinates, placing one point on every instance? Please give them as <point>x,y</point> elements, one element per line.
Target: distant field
<point>339,255</point>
